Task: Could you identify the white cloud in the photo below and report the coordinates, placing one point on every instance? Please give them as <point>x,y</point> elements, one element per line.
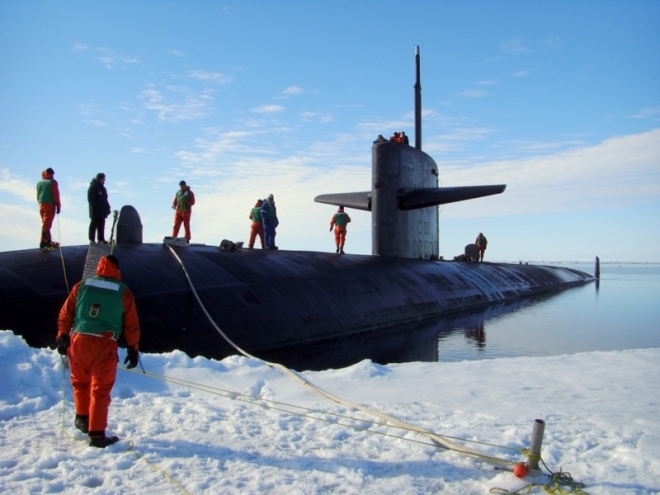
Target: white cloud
<point>315,117</point>
<point>515,46</point>
<point>96,123</point>
<point>474,93</point>
<point>111,59</point>
<point>553,43</point>
<point>170,108</point>
<point>464,134</point>
<point>292,90</point>
<point>621,169</point>
<point>215,77</point>
<point>11,183</point>
<point>651,113</point>
<point>268,109</point>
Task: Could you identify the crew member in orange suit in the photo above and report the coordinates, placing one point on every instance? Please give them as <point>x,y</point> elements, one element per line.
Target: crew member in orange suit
<point>339,221</point>
<point>182,204</point>
<point>91,320</point>
<point>48,196</point>
<point>256,228</point>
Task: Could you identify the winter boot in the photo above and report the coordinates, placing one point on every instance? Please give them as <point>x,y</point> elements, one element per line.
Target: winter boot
<point>82,423</point>
<point>100,441</point>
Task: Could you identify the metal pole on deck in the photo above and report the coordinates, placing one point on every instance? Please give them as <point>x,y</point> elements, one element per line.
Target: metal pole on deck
<point>535,447</point>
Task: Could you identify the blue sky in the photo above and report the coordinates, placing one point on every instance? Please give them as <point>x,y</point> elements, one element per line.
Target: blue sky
<point>558,100</point>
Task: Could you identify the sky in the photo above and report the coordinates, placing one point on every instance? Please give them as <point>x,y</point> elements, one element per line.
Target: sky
<point>560,101</point>
<point>240,426</point>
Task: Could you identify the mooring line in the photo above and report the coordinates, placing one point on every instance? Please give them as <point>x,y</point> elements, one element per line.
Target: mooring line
<point>437,439</point>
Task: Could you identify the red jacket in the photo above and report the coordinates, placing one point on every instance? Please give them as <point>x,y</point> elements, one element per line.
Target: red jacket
<point>131,323</point>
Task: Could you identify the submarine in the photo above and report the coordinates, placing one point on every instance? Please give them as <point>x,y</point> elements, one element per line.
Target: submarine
<point>208,300</point>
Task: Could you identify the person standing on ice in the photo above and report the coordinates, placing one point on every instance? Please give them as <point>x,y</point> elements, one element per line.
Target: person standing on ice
<point>270,221</point>
<point>339,221</point>
<point>99,208</point>
<point>182,204</point>
<point>481,243</point>
<point>48,197</point>
<point>256,227</point>
<point>91,320</point>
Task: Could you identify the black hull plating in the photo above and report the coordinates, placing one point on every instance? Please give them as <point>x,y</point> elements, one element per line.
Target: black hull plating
<point>264,300</point>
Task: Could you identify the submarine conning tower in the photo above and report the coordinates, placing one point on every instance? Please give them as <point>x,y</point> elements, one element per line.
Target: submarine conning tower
<point>404,195</point>
<point>398,170</point>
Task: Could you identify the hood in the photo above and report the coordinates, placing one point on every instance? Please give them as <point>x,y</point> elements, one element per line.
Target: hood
<point>107,269</point>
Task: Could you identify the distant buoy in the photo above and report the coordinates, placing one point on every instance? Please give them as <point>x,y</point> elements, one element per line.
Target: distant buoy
<point>520,470</point>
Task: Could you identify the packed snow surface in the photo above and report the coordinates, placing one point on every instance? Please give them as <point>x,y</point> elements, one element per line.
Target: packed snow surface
<point>241,426</point>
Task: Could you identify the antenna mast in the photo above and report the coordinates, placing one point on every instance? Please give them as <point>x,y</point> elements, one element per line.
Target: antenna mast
<point>418,103</point>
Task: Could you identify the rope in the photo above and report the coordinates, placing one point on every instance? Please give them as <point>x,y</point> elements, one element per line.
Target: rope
<point>282,406</point>
<point>59,243</point>
<point>436,439</point>
<point>153,466</point>
<point>560,482</point>
<point>115,215</point>
<point>167,476</point>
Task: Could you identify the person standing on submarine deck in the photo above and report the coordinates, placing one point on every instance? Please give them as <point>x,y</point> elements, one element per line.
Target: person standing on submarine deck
<point>182,204</point>
<point>48,197</point>
<point>481,243</point>
<point>99,208</point>
<point>256,227</point>
<point>339,221</point>
<point>270,221</point>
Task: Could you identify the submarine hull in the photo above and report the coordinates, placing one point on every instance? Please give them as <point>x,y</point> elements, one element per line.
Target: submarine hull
<point>263,300</point>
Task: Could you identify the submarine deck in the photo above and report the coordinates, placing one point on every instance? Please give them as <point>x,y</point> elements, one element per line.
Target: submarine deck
<point>264,300</point>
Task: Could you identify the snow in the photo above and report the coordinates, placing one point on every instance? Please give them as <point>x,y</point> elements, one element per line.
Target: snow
<point>205,426</point>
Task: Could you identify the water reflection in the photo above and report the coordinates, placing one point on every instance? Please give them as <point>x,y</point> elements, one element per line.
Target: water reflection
<point>620,313</point>
<point>415,342</point>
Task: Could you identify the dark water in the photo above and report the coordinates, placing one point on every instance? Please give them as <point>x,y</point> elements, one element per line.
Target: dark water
<point>622,311</point>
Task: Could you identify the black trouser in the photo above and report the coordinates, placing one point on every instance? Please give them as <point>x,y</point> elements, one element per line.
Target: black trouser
<point>97,225</point>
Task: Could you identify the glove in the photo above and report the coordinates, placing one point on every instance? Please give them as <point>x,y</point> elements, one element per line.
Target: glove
<point>63,345</point>
<point>57,209</point>
<point>132,357</point>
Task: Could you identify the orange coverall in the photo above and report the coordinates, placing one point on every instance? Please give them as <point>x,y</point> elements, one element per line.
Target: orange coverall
<point>93,358</point>
<point>182,204</point>
<point>256,227</point>
<point>47,210</point>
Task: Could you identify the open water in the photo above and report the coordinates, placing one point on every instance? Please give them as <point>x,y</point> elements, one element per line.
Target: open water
<point>621,311</point>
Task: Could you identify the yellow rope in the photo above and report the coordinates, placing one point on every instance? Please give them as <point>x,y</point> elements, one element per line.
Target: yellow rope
<point>130,443</point>
<point>157,468</point>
